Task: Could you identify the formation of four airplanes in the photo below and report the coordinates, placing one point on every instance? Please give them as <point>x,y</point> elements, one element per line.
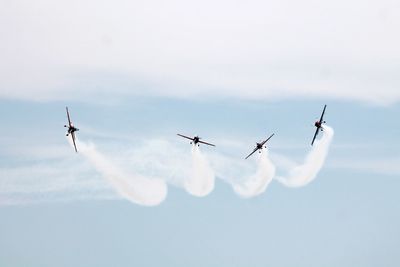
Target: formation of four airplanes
<point>196,140</point>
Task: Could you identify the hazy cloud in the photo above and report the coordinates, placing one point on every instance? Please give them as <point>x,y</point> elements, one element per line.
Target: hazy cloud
<point>268,49</point>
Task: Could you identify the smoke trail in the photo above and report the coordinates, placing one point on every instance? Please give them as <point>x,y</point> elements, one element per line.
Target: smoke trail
<point>135,188</point>
<point>303,174</point>
<point>258,183</point>
<point>201,181</point>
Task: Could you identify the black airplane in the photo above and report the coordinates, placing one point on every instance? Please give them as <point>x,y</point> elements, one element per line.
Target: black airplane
<point>71,129</point>
<point>260,146</point>
<point>318,124</point>
<point>195,140</point>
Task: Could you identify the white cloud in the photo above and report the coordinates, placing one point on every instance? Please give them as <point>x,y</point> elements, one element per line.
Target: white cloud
<point>269,49</point>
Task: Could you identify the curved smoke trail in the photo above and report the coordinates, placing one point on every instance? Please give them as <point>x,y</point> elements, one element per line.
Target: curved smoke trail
<point>135,188</point>
<point>303,174</point>
<point>201,181</point>
<point>201,177</point>
<point>258,183</point>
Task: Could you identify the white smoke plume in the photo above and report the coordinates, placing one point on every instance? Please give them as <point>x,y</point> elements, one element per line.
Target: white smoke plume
<point>257,183</point>
<point>135,188</point>
<point>161,158</point>
<point>303,174</point>
<point>201,180</point>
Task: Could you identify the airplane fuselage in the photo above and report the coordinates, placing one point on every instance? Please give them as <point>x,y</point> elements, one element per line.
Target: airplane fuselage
<point>196,139</point>
<point>318,124</point>
<point>71,129</point>
<point>259,147</point>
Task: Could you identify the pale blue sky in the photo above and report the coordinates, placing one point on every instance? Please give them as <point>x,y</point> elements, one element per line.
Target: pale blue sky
<point>348,216</point>
<point>135,73</point>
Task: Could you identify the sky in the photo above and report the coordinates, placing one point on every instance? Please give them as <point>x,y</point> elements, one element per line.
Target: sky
<point>135,74</point>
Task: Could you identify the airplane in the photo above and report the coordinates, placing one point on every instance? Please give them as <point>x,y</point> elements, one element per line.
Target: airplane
<point>318,124</point>
<point>195,140</point>
<point>71,129</point>
<point>260,146</point>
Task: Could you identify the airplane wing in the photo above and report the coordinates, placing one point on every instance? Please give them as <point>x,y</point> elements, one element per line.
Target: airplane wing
<point>255,149</point>
<point>73,140</point>
<point>206,143</point>
<point>315,135</point>
<point>263,143</point>
<point>322,115</point>
<point>187,137</point>
<point>69,119</point>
